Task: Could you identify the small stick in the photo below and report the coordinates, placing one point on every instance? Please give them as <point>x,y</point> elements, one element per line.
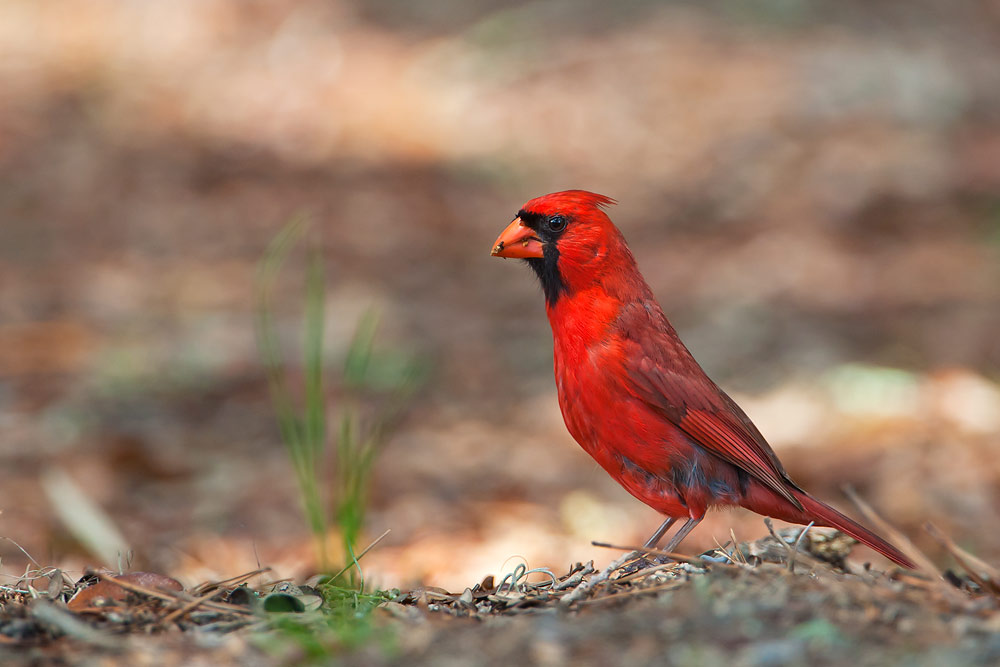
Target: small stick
<point>575,578</point>
<point>135,588</point>
<point>361,555</point>
<point>924,564</point>
<point>981,572</point>
<point>193,604</point>
<point>798,543</point>
<point>239,579</point>
<point>812,559</point>
<point>643,572</point>
<point>640,591</point>
<point>738,557</point>
<point>655,552</point>
<point>584,588</point>
<point>142,590</point>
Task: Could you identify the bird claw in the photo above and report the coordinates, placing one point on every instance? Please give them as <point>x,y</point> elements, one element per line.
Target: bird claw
<point>644,562</point>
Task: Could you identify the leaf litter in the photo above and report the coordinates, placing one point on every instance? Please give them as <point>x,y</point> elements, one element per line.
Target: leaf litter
<point>792,596</point>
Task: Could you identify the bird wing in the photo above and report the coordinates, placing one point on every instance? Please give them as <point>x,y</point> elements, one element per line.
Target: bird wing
<point>662,373</point>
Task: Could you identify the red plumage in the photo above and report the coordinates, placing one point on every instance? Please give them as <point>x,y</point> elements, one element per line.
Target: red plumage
<point>632,394</point>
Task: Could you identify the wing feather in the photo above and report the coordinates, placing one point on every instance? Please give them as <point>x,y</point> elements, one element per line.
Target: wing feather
<point>664,375</point>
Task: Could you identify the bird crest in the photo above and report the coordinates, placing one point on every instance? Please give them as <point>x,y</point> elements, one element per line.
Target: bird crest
<point>569,201</point>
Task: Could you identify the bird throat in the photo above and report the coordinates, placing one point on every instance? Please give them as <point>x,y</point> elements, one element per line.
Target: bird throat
<point>547,270</point>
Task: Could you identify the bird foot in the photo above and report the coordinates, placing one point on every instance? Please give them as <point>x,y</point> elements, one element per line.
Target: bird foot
<point>643,563</point>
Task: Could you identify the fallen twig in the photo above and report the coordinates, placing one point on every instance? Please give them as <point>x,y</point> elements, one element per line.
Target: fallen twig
<point>172,598</point>
<point>190,606</point>
<point>234,581</point>
<point>360,555</point>
<point>670,585</point>
<point>985,575</point>
<point>672,555</point>
<point>793,550</point>
<point>924,564</point>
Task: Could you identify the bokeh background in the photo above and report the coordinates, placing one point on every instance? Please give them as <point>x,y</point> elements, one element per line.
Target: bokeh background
<point>812,189</point>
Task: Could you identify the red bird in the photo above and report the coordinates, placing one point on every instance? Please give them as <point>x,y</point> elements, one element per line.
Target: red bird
<point>631,393</point>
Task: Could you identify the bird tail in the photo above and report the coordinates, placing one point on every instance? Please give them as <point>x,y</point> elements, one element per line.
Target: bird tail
<point>824,515</point>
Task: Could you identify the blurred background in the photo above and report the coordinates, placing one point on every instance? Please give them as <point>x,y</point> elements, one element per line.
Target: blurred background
<point>812,190</point>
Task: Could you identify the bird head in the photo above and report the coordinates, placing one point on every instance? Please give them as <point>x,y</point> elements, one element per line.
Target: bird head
<point>566,238</point>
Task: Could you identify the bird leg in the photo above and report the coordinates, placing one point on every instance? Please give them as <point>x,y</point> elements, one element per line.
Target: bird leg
<point>584,587</point>
<point>679,536</point>
<point>671,546</point>
<point>642,561</point>
<point>658,535</point>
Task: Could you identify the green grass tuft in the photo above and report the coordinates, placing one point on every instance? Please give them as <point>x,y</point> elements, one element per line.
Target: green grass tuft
<point>375,388</point>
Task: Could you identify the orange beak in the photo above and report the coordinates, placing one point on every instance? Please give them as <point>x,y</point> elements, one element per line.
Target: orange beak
<point>517,241</point>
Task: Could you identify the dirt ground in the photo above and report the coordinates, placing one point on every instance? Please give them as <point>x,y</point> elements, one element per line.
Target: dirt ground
<point>812,191</point>
<point>790,598</point>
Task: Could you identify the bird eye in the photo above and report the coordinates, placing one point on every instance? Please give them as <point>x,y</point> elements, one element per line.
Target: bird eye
<point>557,223</point>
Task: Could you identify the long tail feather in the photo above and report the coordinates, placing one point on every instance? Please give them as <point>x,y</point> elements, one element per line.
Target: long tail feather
<point>823,514</point>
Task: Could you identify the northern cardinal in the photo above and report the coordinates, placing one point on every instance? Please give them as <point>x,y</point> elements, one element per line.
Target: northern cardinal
<point>632,394</point>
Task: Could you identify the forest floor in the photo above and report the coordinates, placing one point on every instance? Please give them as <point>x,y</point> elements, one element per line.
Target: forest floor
<point>787,599</point>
